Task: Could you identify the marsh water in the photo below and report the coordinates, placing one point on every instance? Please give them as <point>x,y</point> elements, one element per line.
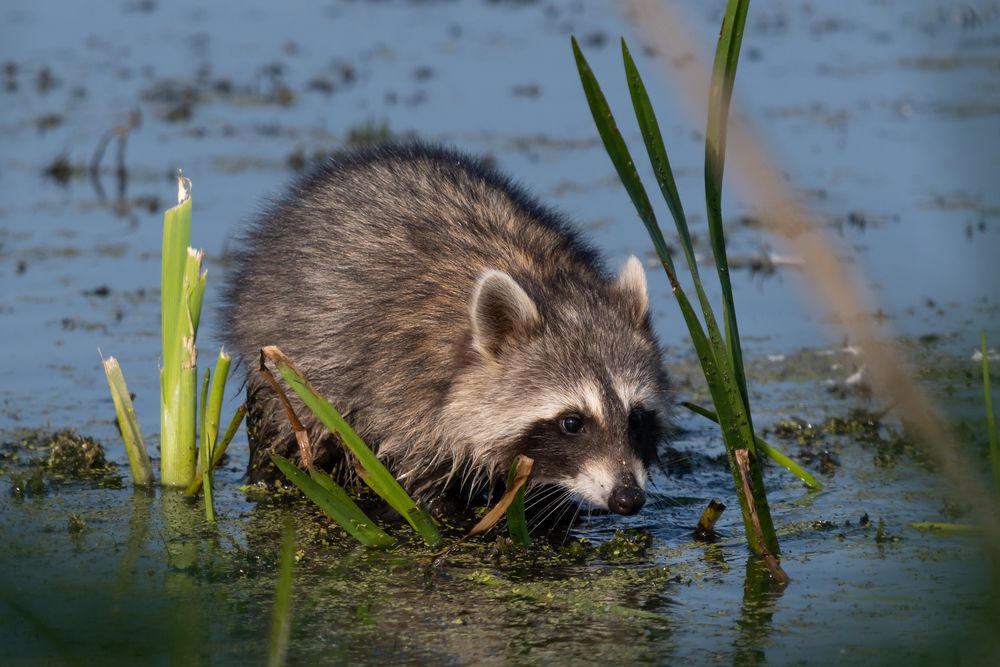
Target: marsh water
<point>884,115</point>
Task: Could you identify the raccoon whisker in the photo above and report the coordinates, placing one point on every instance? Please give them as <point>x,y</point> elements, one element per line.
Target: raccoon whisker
<point>572,522</point>
<point>549,509</point>
<point>660,502</point>
<point>538,499</point>
<point>561,502</point>
<point>568,506</point>
<point>545,510</point>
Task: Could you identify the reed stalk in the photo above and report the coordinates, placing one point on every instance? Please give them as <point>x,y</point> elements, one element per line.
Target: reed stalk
<point>718,352</point>
<point>128,423</point>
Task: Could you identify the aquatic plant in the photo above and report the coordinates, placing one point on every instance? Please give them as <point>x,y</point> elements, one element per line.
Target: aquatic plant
<point>281,614</point>
<point>333,498</point>
<point>721,357</point>
<point>182,289</point>
<point>991,422</point>
<point>993,435</point>
<point>128,423</point>
<point>183,462</point>
<point>335,501</point>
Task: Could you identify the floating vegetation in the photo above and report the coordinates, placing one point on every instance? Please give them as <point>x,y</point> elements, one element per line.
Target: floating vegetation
<point>35,459</point>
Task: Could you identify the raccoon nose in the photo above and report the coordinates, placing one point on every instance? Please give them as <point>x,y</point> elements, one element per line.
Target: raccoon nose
<point>626,500</point>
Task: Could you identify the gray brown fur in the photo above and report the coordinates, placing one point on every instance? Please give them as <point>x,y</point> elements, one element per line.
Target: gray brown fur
<point>366,273</point>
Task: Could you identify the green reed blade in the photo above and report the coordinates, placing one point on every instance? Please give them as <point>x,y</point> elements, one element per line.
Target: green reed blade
<point>205,448</point>
<point>617,150</point>
<point>517,524</point>
<point>720,94</point>
<point>372,471</point>
<point>214,408</point>
<point>722,377</point>
<point>176,239</point>
<point>711,351</point>
<point>219,450</point>
<point>653,139</point>
<point>776,454</point>
<point>991,424</point>
<point>335,502</point>
<point>128,423</point>
<point>281,619</point>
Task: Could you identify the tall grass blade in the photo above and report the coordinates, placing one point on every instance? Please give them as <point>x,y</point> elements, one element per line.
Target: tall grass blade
<point>371,469</point>
<point>205,449</point>
<point>991,423</point>
<point>281,619</point>
<point>517,524</point>
<point>710,353</point>
<point>728,393</point>
<point>653,138</point>
<point>219,450</point>
<point>128,423</point>
<point>776,454</point>
<point>335,502</point>
<point>618,151</point>
<point>727,55</point>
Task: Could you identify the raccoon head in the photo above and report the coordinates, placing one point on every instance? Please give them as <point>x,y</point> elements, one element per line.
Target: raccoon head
<point>570,376</point>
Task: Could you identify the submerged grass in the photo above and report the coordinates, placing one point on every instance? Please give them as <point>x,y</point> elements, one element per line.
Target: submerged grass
<point>281,615</point>
<point>332,499</point>
<point>369,468</point>
<point>721,358</point>
<point>993,435</point>
<point>991,422</point>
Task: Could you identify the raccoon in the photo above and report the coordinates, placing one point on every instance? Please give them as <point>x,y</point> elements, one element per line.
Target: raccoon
<point>455,323</point>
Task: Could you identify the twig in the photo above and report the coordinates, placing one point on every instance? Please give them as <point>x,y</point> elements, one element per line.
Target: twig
<point>301,435</point>
<point>743,463</point>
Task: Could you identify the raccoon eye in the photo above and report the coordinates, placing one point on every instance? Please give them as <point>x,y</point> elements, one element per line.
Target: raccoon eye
<point>635,420</point>
<point>571,424</point>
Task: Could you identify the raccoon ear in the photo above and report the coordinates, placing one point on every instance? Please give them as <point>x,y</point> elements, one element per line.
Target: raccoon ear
<point>632,283</point>
<point>501,311</point>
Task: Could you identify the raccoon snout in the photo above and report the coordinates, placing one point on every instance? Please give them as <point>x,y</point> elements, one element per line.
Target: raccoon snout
<point>626,500</point>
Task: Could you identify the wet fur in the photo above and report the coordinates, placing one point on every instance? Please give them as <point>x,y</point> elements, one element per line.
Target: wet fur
<point>364,272</point>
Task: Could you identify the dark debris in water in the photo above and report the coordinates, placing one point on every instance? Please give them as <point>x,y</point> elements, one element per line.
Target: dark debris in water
<point>76,455</point>
<point>818,442</point>
<point>35,459</point>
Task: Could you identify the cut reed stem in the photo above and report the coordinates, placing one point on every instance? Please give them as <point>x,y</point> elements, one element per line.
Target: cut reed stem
<point>128,423</point>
